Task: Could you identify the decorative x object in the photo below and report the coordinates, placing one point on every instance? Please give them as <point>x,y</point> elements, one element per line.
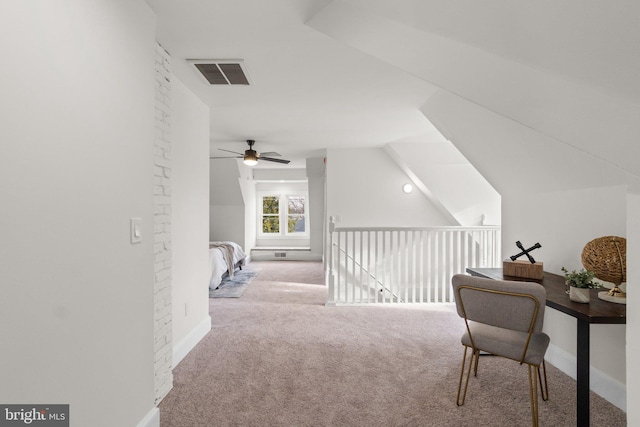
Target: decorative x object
<point>525,252</point>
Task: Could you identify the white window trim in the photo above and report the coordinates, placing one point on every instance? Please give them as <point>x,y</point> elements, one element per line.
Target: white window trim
<point>284,233</point>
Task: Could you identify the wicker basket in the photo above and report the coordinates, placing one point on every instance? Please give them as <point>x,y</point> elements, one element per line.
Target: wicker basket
<point>607,258</point>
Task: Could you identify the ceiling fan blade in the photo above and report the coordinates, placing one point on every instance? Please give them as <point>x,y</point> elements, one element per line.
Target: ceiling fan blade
<point>271,154</point>
<point>226,157</point>
<point>270,159</point>
<point>229,151</point>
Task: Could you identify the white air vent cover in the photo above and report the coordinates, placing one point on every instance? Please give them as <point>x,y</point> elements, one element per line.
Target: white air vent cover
<point>222,71</point>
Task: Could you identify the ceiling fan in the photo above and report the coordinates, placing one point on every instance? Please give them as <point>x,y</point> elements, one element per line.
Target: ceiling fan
<point>251,157</point>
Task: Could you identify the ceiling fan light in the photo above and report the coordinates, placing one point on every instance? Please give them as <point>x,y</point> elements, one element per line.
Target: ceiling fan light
<point>250,158</point>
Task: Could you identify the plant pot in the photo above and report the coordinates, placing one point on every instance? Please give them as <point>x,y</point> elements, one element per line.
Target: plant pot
<point>580,295</point>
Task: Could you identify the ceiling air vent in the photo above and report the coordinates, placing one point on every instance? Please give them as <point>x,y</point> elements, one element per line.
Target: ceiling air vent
<point>222,72</point>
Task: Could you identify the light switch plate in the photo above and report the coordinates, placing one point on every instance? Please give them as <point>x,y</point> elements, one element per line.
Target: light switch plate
<point>136,230</point>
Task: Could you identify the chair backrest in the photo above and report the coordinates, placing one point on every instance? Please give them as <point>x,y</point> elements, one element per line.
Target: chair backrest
<point>506,304</point>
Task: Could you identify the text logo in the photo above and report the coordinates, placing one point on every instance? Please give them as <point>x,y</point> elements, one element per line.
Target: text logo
<point>34,415</point>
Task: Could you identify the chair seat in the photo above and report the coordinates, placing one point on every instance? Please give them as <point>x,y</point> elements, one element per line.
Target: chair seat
<point>507,343</point>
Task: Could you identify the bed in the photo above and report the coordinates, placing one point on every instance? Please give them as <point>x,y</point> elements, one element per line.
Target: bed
<point>224,258</point>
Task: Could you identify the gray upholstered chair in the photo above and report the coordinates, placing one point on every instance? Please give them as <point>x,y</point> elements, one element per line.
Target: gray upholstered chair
<point>504,319</point>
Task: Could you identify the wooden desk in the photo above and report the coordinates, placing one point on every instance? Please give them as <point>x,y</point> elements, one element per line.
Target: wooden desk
<point>597,311</point>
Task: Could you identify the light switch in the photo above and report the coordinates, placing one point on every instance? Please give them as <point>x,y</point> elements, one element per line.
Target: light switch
<point>136,230</point>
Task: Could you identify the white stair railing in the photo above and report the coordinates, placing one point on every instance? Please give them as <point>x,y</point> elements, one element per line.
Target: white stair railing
<point>405,265</point>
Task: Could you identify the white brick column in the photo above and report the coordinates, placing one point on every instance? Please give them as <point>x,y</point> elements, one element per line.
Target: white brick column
<point>163,344</point>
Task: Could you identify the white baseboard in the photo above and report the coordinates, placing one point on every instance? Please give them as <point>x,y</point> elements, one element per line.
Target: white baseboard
<point>600,383</point>
<point>181,349</point>
<point>152,419</point>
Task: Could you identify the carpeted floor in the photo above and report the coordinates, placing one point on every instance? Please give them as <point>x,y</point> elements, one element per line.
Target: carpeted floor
<point>278,356</point>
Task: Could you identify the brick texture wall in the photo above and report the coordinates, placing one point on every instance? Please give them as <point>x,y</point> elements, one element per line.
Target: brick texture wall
<point>163,345</point>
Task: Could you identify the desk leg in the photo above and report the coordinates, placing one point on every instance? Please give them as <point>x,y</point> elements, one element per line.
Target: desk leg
<point>582,374</point>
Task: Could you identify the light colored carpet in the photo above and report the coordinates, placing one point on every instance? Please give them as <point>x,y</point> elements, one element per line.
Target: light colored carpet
<point>279,357</point>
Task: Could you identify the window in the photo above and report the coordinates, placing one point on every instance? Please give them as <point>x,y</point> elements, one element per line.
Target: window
<point>283,215</point>
<point>295,214</point>
<point>271,214</point>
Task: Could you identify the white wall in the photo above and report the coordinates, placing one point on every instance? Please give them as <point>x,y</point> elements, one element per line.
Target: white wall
<point>226,223</point>
<point>227,204</point>
<point>190,219</point>
<point>76,303</point>
<point>364,188</point>
<point>316,183</point>
<point>279,174</point>
<point>633,308</point>
<point>163,313</point>
<point>563,222</point>
<point>249,196</point>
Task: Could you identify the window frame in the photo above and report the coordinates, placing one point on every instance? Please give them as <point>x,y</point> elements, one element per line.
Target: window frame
<point>262,215</point>
<point>283,213</point>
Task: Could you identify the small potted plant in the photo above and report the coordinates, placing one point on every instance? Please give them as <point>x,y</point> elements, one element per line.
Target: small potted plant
<point>578,284</point>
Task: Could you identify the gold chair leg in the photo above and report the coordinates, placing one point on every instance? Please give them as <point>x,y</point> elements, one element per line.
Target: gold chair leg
<point>464,359</point>
<point>544,386</point>
<point>476,355</point>
<point>534,372</point>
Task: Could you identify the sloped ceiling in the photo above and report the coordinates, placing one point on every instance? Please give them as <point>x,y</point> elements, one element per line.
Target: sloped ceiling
<point>589,41</point>
<point>520,111</point>
<point>543,90</point>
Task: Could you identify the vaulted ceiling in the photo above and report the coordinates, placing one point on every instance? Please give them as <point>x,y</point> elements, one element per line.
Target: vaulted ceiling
<point>546,83</point>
